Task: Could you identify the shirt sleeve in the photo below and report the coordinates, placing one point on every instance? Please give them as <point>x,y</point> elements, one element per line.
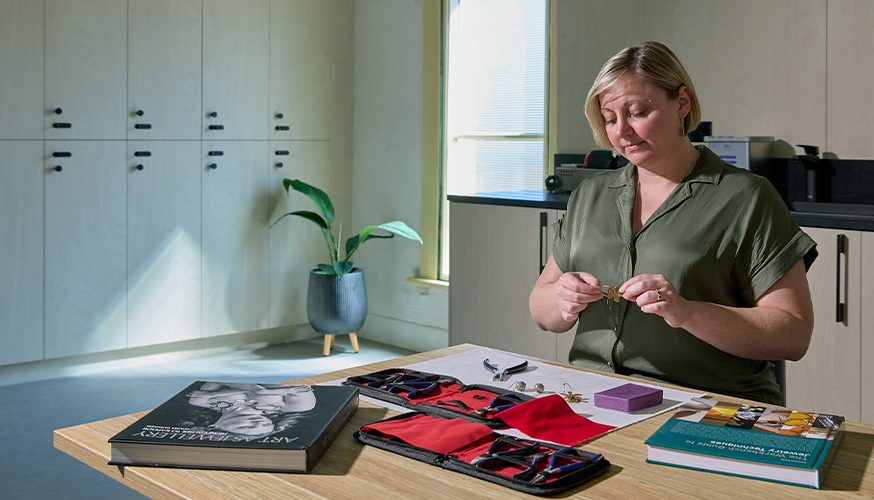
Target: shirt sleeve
<point>772,245</point>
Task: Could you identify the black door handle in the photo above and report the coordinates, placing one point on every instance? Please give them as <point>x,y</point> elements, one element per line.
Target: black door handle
<point>840,307</point>
<point>281,152</point>
<point>62,154</point>
<point>58,168</point>
<point>142,153</point>
<point>278,164</point>
<point>216,127</point>
<point>143,126</point>
<point>543,226</point>
<point>216,153</point>
<point>282,127</point>
<point>139,166</point>
<point>61,125</point>
<point>213,166</point>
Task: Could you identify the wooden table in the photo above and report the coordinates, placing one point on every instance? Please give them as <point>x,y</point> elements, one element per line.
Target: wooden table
<point>352,470</point>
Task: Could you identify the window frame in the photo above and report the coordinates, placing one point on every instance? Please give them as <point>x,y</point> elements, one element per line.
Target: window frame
<point>435,15</point>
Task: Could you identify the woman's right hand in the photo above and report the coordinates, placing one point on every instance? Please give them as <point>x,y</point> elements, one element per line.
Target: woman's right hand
<point>574,292</point>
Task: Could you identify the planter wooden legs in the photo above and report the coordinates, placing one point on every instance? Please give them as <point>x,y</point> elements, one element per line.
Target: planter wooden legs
<point>329,340</point>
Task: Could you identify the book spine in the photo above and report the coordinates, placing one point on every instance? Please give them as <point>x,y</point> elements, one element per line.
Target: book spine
<point>330,432</point>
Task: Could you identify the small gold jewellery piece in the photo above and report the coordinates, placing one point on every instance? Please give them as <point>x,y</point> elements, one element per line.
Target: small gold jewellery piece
<point>611,293</point>
<point>570,396</point>
<point>658,295</point>
<point>520,386</point>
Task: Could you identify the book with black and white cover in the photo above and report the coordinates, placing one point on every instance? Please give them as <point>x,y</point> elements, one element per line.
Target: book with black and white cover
<point>238,426</point>
<point>774,444</point>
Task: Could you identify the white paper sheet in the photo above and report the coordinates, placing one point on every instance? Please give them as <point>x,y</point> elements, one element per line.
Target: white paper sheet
<point>468,368</point>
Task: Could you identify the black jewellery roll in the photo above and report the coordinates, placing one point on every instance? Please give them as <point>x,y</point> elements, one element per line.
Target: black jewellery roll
<point>452,427</point>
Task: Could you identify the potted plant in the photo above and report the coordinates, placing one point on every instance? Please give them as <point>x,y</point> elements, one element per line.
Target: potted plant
<point>336,296</point>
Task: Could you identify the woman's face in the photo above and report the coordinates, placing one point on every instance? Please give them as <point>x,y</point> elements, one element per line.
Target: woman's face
<point>286,399</point>
<point>641,120</point>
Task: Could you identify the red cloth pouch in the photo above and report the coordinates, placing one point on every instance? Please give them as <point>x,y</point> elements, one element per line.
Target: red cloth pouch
<point>550,418</point>
<point>433,434</point>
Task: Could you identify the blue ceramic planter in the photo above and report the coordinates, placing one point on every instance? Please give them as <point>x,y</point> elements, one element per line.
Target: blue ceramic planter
<point>337,304</point>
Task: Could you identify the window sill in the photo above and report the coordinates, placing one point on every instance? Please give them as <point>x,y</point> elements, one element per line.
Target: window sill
<point>427,283</point>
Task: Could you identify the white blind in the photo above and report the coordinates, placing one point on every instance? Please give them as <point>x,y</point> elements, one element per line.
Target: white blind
<point>496,95</point>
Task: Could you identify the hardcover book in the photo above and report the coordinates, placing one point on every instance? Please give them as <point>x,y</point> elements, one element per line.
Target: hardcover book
<point>238,426</point>
<point>775,444</point>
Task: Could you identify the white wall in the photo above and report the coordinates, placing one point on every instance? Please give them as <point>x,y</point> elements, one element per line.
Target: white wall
<point>387,172</point>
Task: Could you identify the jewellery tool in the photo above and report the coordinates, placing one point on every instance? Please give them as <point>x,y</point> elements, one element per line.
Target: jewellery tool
<point>506,372</point>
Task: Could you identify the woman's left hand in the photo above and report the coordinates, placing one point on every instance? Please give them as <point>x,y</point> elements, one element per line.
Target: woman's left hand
<point>654,294</point>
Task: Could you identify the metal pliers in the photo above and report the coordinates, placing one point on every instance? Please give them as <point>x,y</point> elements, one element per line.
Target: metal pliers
<point>506,372</point>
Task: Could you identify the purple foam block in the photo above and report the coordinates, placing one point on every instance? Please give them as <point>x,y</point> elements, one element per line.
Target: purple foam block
<point>628,397</point>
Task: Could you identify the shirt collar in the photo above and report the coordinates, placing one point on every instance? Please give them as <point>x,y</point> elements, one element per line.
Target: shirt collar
<point>708,169</point>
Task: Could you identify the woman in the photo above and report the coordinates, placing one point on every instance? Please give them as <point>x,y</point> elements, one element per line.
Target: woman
<point>701,264</point>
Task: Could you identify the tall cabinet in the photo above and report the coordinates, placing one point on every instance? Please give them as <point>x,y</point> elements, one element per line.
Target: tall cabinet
<point>496,256</point>
<point>85,61</point>
<point>832,376</point>
<point>21,247</point>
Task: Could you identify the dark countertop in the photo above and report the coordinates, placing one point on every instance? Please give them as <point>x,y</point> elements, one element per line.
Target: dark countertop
<point>826,215</point>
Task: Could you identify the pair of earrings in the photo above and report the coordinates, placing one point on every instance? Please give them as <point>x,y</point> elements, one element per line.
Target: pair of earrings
<point>569,395</point>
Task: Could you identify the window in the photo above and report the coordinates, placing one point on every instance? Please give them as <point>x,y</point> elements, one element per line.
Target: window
<point>495,64</point>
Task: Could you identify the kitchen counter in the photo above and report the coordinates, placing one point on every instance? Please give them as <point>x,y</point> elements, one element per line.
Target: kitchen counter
<point>826,215</point>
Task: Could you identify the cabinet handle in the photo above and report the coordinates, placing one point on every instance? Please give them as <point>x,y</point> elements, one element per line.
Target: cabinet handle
<point>213,166</point>
<point>840,307</point>
<point>216,127</point>
<point>142,153</point>
<point>58,111</point>
<point>139,166</point>
<point>61,125</point>
<point>58,168</point>
<point>62,154</point>
<point>139,112</point>
<point>543,225</point>
<point>279,116</point>
<point>281,152</point>
<point>143,126</point>
<point>216,153</point>
<point>278,164</point>
<point>212,114</point>
<point>282,127</point>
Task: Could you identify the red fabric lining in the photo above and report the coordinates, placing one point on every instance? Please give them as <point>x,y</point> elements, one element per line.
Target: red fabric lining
<point>434,434</point>
<point>550,418</point>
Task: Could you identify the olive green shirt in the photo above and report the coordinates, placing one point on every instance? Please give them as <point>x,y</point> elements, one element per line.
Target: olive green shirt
<point>723,235</point>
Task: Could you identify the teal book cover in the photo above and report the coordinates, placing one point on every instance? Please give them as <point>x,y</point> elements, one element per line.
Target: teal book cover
<point>756,441</point>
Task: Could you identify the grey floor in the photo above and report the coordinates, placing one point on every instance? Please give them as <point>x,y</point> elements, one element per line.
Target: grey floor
<point>30,467</point>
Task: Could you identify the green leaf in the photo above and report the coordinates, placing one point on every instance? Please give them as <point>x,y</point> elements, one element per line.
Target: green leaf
<point>354,242</point>
<point>319,197</point>
<point>341,267</point>
<point>324,269</point>
<point>306,214</point>
<point>395,227</point>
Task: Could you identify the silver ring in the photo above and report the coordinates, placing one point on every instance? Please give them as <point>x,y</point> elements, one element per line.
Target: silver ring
<point>658,295</point>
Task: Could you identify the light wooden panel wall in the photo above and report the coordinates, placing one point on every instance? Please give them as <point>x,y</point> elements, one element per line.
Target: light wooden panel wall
<point>793,69</point>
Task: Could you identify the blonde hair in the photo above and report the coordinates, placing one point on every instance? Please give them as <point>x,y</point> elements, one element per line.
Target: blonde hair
<point>652,62</point>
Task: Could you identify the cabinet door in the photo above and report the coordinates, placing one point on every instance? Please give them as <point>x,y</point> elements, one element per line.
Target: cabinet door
<point>827,379</point>
<point>296,245</point>
<point>867,306</point>
<point>86,69</point>
<point>235,177</point>
<point>164,69</point>
<point>85,247</point>
<point>163,251</point>
<point>235,74</point>
<point>497,253</point>
<point>21,251</point>
<point>300,50</point>
<point>22,52</point>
